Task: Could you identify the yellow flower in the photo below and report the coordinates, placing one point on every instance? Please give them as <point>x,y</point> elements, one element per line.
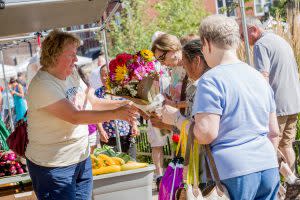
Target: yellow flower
<point>121,73</point>
<point>147,54</point>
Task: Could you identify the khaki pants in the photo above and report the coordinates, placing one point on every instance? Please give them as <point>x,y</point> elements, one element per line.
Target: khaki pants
<point>288,128</point>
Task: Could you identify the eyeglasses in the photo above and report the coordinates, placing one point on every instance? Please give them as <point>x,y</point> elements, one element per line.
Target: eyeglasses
<point>162,57</point>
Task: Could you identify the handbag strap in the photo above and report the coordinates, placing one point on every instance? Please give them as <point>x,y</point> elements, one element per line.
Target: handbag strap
<point>213,167</point>
<point>189,144</point>
<point>181,147</point>
<point>208,174</point>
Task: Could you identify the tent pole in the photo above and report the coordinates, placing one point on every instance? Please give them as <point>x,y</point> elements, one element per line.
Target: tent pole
<point>6,91</point>
<point>104,38</point>
<point>245,31</point>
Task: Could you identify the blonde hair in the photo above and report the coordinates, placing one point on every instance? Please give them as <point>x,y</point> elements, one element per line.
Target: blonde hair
<point>220,30</point>
<point>166,42</point>
<point>53,45</point>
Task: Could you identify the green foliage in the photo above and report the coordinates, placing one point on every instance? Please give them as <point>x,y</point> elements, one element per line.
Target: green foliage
<point>235,4</point>
<point>131,34</point>
<point>136,26</point>
<point>279,8</point>
<point>180,17</point>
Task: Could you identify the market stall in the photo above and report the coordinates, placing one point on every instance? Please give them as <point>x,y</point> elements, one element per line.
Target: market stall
<point>23,16</point>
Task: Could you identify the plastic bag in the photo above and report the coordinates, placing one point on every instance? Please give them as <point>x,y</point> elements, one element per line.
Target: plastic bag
<point>171,180</point>
<point>4,133</point>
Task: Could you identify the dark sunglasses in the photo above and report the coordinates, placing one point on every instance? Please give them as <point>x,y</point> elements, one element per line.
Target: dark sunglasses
<point>162,57</point>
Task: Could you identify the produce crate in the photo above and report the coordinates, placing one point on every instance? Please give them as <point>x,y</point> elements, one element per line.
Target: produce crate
<point>125,185</point>
<point>20,196</point>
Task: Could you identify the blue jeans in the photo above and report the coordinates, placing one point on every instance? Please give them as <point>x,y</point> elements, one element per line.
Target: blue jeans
<point>62,183</point>
<point>261,185</point>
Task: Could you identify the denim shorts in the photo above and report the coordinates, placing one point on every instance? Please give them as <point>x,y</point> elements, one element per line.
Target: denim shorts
<point>261,185</point>
<point>62,183</point>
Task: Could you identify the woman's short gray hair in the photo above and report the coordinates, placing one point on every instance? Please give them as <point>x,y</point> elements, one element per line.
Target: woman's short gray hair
<point>220,30</point>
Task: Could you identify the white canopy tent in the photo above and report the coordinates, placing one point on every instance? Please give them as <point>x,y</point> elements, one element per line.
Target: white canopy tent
<point>22,67</point>
<point>10,71</point>
<point>24,16</point>
<point>83,60</point>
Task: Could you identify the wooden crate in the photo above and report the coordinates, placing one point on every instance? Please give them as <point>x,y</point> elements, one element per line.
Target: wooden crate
<point>20,196</point>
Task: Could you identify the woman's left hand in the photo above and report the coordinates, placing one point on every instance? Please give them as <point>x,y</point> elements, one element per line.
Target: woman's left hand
<point>135,130</point>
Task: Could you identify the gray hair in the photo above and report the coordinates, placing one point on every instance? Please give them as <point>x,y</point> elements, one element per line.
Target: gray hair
<point>220,30</point>
<point>253,21</point>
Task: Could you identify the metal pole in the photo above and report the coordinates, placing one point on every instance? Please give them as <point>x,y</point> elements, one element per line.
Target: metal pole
<point>6,91</point>
<point>104,39</point>
<point>245,31</point>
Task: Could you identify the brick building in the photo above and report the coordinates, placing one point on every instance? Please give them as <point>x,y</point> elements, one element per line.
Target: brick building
<point>254,8</point>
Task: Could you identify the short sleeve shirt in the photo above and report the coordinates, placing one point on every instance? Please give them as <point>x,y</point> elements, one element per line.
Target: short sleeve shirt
<point>54,142</point>
<point>274,55</point>
<point>244,100</point>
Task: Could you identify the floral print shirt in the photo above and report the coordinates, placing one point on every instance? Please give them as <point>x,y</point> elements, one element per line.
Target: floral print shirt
<point>110,127</point>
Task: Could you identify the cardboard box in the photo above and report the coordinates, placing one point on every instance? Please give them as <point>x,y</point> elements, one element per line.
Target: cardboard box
<point>20,196</point>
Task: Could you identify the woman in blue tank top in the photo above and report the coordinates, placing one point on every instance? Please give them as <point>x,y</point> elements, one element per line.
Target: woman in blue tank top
<point>19,101</point>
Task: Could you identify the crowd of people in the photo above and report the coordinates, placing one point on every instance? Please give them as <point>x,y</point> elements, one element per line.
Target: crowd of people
<point>247,114</point>
<point>13,98</point>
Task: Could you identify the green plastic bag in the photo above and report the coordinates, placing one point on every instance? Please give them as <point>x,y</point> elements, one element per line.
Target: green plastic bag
<point>4,133</point>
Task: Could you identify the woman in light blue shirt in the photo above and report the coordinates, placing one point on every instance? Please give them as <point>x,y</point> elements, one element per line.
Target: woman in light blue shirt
<point>235,113</point>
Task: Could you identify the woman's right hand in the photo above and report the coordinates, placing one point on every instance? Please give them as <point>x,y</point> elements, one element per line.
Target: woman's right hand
<point>104,137</point>
<point>127,112</point>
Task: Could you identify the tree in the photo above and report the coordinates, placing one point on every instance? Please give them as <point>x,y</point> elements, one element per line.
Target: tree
<point>133,28</point>
<point>180,17</point>
<point>128,31</point>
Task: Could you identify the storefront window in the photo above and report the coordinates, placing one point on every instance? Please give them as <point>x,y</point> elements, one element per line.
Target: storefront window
<point>226,7</point>
<point>260,5</point>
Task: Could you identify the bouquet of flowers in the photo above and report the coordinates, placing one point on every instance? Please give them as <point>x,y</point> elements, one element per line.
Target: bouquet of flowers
<point>134,77</point>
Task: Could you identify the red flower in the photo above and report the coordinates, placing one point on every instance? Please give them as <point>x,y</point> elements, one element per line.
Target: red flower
<point>123,58</point>
<point>113,65</point>
<point>175,138</point>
